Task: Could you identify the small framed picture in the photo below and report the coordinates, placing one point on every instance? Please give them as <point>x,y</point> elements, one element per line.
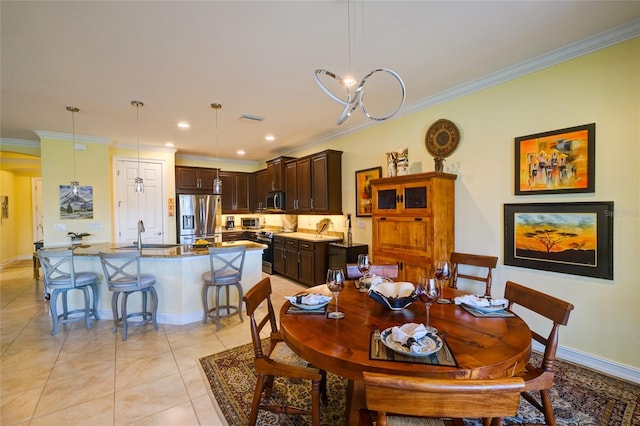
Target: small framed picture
<point>363,190</point>
<point>559,161</point>
<point>571,238</point>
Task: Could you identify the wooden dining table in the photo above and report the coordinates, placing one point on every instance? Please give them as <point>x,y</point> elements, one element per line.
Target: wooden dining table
<point>480,347</point>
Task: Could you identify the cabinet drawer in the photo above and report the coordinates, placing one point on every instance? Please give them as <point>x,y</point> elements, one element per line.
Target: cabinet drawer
<point>304,245</point>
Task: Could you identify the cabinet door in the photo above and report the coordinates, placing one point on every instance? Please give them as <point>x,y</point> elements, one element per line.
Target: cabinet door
<point>228,189</point>
<point>410,198</point>
<point>186,179</point>
<point>409,268</point>
<point>207,176</point>
<point>403,235</point>
<point>291,187</point>
<point>278,258</point>
<point>304,184</point>
<point>326,182</point>
<point>306,269</point>
<point>291,260</point>
<point>242,193</point>
<point>260,190</point>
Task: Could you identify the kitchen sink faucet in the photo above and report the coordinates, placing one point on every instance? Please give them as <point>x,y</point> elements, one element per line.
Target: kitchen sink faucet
<point>140,231</point>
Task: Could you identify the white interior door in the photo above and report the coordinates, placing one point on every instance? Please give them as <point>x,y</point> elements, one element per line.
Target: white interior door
<point>132,206</point>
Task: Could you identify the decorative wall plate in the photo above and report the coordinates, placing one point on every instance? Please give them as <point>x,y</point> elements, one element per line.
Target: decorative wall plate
<point>442,138</point>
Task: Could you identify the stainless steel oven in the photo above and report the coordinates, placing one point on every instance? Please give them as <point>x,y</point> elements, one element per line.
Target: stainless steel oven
<point>266,238</point>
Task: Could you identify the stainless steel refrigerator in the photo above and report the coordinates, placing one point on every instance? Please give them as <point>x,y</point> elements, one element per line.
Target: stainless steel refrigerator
<point>199,216</point>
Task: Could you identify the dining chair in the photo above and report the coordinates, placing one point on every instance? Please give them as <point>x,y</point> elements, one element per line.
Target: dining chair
<point>469,263</point>
<point>60,277</point>
<point>226,265</point>
<point>540,378</point>
<point>408,400</point>
<point>382,270</point>
<point>277,359</point>
<point>123,276</point>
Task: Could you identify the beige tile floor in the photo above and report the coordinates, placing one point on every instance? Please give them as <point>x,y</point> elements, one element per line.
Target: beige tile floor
<point>92,377</point>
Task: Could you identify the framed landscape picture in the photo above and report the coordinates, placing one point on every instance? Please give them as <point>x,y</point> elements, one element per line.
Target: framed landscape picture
<point>363,190</point>
<point>571,238</point>
<point>559,161</point>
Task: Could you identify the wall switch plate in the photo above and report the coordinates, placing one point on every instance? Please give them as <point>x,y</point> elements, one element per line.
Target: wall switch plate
<point>94,225</point>
<point>360,223</point>
<point>60,227</point>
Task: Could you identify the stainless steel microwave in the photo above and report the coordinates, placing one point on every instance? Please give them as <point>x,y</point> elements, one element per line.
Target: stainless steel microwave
<point>250,223</point>
<point>275,201</point>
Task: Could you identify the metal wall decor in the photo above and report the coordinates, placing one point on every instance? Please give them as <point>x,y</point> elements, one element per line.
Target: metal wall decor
<point>441,140</point>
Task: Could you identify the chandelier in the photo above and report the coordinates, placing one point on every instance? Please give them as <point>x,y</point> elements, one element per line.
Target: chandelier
<point>138,182</point>
<point>352,99</point>
<point>75,185</point>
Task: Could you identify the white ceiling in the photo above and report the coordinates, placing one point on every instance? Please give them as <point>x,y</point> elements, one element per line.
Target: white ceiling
<point>259,57</point>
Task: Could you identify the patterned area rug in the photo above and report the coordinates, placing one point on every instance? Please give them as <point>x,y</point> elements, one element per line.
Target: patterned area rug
<point>580,396</point>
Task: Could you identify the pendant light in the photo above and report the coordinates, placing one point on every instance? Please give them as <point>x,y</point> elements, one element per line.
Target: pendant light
<point>217,183</point>
<point>139,182</point>
<point>75,185</point>
<point>355,98</point>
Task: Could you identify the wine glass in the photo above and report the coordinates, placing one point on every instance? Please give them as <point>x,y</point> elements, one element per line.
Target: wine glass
<point>427,292</point>
<point>364,267</point>
<point>442,273</point>
<point>335,283</point>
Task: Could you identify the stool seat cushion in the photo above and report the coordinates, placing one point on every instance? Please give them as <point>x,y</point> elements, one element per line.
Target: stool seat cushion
<point>131,284</point>
<point>222,278</point>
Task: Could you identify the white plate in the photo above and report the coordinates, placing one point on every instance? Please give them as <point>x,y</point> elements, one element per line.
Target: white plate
<point>429,344</point>
<point>487,309</point>
<point>312,307</point>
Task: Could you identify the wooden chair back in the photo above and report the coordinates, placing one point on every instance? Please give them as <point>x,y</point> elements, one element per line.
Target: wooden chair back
<point>276,359</point>
<point>438,398</point>
<point>540,378</point>
<point>473,260</point>
<point>389,270</point>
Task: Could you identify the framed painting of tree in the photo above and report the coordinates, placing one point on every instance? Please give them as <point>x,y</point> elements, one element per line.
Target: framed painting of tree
<point>570,238</point>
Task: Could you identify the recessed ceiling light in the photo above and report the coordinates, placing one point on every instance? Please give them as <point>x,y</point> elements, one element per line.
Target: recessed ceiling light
<point>270,138</point>
<point>183,125</point>
<point>240,152</point>
<point>170,144</point>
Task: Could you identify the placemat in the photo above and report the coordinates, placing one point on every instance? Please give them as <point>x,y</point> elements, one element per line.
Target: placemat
<point>495,314</point>
<point>295,310</point>
<point>442,357</point>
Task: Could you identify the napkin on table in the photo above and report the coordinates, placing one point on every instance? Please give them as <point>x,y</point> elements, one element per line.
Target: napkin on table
<point>410,330</point>
<point>480,301</point>
<point>309,299</point>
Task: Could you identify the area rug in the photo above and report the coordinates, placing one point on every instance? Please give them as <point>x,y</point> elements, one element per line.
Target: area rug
<point>581,397</point>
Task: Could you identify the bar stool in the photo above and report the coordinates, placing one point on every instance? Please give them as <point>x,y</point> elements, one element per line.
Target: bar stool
<point>60,277</point>
<point>226,270</point>
<point>122,272</point>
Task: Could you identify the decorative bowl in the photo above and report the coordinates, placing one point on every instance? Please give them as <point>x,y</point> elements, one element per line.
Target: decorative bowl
<point>394,295</point>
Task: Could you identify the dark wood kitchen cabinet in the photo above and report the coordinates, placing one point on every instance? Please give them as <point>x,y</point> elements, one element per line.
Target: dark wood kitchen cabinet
<point>235,192</point>
<point>275,173</point>
<point>301,260</point>
<point>194,180</point>
<point>259,185</point>
<point>314,183</point>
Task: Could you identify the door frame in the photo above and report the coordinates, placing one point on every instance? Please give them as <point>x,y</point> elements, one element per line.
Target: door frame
<point>116,193</point>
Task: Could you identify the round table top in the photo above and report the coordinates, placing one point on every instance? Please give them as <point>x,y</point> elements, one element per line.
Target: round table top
<point>482,347</point>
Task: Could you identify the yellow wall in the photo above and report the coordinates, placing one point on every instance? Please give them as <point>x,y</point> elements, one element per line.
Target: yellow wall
<point>603,87</point>
<point>8,231</point>
<point>91,169</point>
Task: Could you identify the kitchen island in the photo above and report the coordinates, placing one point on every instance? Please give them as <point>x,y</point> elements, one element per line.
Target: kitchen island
<point>178,271</point>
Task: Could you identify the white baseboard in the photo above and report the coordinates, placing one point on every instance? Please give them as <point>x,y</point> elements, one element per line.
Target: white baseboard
<point>602,365</point>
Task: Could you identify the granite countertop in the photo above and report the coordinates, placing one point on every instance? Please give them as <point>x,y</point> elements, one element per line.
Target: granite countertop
<point>160,250</point>
<point>308,236</point>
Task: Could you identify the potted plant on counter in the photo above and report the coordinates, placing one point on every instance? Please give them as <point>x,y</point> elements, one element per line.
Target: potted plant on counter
<point>76,238</point>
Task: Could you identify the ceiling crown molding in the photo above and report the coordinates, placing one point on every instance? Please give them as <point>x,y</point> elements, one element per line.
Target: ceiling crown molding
<point>43,134</point>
